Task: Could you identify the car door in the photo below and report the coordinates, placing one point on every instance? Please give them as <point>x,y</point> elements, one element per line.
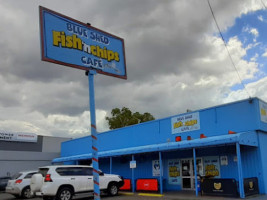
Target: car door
<point>80,179</point>
<point>90,178</point>
<point>74,176</point>
<point>103,180</point>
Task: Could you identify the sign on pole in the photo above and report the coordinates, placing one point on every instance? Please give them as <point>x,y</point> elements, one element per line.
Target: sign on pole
<point>133,164</point>
<point>69,42</point>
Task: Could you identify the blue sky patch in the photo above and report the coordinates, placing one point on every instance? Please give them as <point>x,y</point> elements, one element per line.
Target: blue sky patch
<point>251,30</point>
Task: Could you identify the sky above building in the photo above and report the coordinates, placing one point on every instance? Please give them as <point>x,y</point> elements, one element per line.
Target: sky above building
<point>176,60</point>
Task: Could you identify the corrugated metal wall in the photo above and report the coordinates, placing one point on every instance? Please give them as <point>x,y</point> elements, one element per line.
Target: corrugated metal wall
<point>263,160</point>
<point>250,159</point>
<point>239,117</point>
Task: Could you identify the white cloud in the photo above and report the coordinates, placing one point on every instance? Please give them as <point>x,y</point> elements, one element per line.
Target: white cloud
<point>174,63</point>
<point>252,31</point>
<point>260,18</point>
<point>265,53</point>
<point>254,59</point>
<point>60,125</point>
<point>255,89</point>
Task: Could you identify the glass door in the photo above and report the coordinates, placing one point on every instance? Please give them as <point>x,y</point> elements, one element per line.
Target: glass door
<point>188,173</point>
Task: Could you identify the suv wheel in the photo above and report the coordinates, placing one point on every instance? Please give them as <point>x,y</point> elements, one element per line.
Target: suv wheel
<point>26,193</point>
<point>113,189</point>
<point>64,193</point>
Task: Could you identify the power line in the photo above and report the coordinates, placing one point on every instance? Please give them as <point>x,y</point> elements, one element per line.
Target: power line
<point>227,49</point>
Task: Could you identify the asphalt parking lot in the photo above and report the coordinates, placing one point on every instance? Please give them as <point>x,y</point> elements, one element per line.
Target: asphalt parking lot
<point>145,196</point>
<point>4,196</point>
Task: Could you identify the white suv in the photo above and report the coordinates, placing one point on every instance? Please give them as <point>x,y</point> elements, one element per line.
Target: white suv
<point>64,181</point>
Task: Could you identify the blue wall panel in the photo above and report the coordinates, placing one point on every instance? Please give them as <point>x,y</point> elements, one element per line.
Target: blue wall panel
<point>263,158</point>
<point>227,171</point>
<point>239,116</point>
<point>263,125</point>
<point>121,166</point>
<point>250,161</point>
<point>76,146</point>
<point>104,165</point>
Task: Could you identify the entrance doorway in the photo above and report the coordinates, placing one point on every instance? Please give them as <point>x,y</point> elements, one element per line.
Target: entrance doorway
<point>188,174</point>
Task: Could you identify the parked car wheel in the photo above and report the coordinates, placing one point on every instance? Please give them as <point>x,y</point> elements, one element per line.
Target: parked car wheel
<point>26,193</point>
<point>113,189</point>
<point>64,193</point>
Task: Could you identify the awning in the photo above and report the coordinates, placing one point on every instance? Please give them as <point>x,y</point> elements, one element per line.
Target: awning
<point>244,138</point>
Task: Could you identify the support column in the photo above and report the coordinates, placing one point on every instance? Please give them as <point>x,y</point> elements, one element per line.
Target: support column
<point>94,134</point>
<point>160,173</point>
<point>133,182</point>
<point>240,171</point>
<point>195,170</point>
<point>110,165</point>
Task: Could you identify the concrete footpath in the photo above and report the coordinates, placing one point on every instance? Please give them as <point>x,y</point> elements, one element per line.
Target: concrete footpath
<point>145,196</point>
<point>182,196</point>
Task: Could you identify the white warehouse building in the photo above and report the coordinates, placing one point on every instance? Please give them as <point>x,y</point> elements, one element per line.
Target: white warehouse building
<point>26,151</point>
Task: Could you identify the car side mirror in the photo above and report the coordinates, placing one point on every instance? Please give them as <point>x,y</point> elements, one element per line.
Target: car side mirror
<point>101,174</point>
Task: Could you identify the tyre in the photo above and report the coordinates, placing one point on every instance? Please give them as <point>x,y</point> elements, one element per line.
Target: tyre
<point>26,193</point>
<point>64,193</point>
<point>113,189</point>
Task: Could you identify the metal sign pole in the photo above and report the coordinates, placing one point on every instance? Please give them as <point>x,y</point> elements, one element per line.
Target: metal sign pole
<point>94,134</point>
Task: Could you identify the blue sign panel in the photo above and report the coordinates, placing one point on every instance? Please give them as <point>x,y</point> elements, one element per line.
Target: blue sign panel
<point>72,43</point>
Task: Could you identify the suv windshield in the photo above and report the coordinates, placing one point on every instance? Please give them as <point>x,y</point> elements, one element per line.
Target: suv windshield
<point>43,171</point>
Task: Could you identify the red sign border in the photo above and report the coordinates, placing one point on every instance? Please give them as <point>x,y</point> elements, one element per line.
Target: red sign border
<point>41,9</point>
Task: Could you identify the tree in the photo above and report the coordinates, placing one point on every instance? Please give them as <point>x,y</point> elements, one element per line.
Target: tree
<point>124,117</point>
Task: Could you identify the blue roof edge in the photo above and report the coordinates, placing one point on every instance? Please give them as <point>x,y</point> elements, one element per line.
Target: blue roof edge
<point>244,138</point>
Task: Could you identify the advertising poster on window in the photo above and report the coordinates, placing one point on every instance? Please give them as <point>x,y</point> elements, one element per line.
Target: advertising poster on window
<point>224,160</point>
<point>185,123</point>
<point>212,166</point>
<point>156,168</point>
<point>174,167</point>
<point>263,111</point>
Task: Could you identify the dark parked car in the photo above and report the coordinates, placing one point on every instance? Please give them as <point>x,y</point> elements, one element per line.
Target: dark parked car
<point>3,182</point>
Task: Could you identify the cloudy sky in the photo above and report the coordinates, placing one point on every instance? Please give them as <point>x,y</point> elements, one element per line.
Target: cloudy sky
<point>176,60</point>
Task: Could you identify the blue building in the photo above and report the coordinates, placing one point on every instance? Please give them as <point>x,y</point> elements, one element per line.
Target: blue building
<point>226,142</point>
